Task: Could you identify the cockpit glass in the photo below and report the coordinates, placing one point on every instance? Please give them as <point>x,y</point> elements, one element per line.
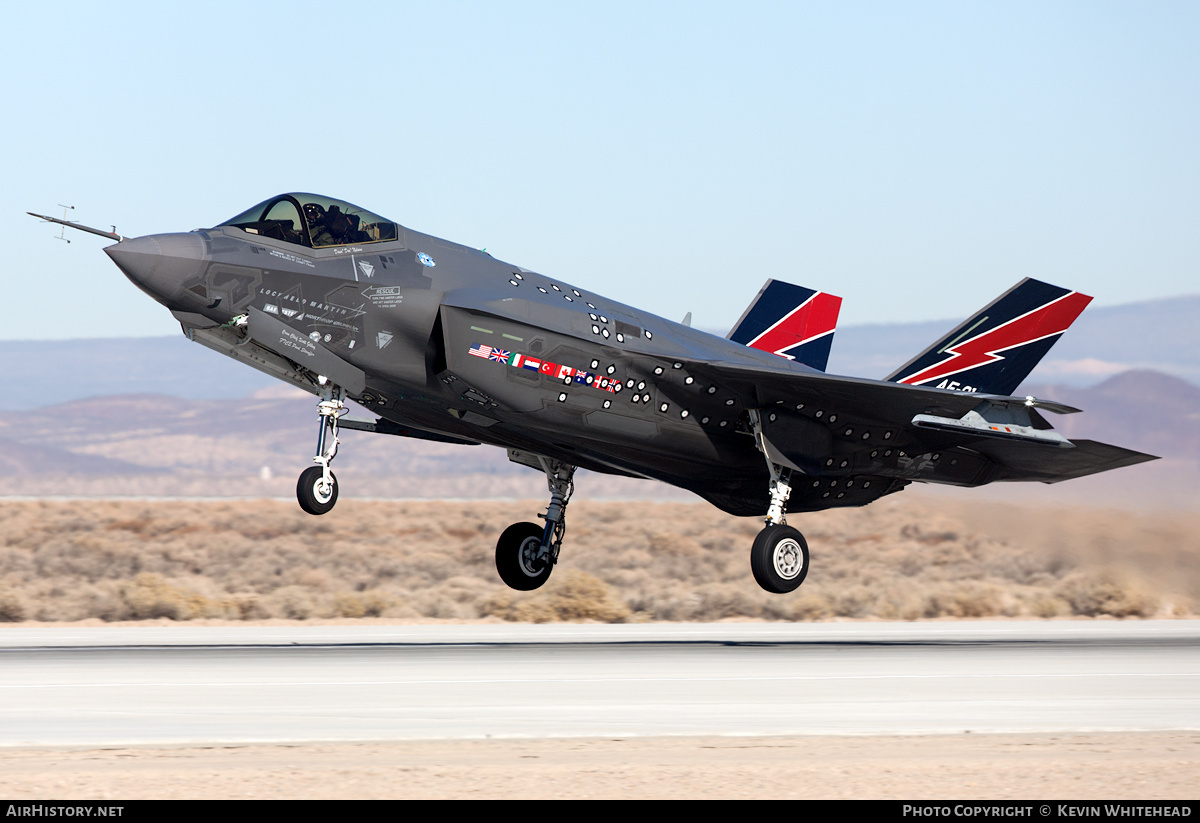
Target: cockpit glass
<point>336,223</point>
<point>315,221</point>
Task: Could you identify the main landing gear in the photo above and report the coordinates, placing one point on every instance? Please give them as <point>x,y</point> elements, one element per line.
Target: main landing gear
<point>526,552</point>
<point>317,489</point>
<point>779,557</point>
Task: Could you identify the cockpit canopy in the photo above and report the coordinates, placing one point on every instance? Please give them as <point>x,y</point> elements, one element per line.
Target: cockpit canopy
<point>314,221</point>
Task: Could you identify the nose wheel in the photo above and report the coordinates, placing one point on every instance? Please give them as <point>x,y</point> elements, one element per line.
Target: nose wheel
<point>316,493</point>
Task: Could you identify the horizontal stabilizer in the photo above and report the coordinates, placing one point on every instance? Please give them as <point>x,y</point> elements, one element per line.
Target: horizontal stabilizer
<point>997,348</point>
<point>791,321</point>
<point>1055,465</point>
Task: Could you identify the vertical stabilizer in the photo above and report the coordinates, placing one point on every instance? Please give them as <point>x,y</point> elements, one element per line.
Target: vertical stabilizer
<point>790,321</point>
<point>997,348</point>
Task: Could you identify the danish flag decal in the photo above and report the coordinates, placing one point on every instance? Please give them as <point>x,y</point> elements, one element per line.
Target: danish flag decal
<point>998,347</point>
<point>790,321</point>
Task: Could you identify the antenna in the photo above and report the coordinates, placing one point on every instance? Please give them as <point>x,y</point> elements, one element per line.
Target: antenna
<point>63,236</point>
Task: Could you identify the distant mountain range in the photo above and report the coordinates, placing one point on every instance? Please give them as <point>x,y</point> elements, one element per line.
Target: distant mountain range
<point>1163,335</point>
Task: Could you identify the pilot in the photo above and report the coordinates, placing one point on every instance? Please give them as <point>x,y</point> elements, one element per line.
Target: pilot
<point>318,225</point>
<point>337,223</point>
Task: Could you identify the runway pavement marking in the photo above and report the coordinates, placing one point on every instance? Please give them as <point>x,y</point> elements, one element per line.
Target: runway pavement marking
<point>492,681</point>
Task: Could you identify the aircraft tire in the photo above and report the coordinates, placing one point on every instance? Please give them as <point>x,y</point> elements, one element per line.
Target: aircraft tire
<point>309,494</point>
<point>779,559</point>
<point>514,550</point>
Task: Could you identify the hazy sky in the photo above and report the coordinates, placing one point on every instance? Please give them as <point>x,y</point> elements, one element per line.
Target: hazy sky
<point>915,158</point>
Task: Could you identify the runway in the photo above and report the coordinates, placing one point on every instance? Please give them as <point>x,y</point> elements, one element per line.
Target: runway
<point>185,685</point>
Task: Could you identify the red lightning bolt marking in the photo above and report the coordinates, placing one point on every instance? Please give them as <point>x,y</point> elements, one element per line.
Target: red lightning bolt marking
<point>813,318</point>
<point>1053,318</point>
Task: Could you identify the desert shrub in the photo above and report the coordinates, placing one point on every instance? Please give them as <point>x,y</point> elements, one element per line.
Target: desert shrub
<point>12,610</point>
<point>574,596</point>
<point>584,596</point>
<point>1045,605</point>
<point>901,600</point>
<point>292,602</point>
<point>247,607</point>
<point>965,599</point>
<point>347,604</point>
<point>447,602</point>
<point>718,601</point>
<point>811,605</point>
<point>853,601</point>
<point>149,596</point>
<point>1105,593</point>
<point>674,544</point>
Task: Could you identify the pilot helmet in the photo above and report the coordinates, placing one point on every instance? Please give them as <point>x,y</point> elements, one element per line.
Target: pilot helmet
<point>314,214</point>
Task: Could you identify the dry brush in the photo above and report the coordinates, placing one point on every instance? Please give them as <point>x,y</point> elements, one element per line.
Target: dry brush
<point>623,561</point>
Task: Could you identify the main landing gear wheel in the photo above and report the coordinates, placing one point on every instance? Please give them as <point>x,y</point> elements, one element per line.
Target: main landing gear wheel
<point>313,493</point>
<point>517,557</point>
<point>779,559</point>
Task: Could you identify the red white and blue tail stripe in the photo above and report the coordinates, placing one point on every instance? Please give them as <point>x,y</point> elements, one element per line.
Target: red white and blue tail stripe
<point>790,321</point>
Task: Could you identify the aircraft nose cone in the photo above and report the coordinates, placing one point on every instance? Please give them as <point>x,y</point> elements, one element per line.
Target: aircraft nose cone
<point>160,264</point>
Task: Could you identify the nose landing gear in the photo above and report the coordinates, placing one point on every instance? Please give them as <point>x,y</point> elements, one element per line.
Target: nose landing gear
<point>317,489</point>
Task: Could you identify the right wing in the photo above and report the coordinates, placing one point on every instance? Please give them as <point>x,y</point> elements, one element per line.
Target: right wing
<point>833,427</point>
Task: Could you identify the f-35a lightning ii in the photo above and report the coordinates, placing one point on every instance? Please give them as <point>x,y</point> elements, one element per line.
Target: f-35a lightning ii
<point>443,342</point>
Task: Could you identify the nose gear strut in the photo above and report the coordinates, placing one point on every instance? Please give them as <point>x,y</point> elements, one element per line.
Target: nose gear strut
<point>316,491</point>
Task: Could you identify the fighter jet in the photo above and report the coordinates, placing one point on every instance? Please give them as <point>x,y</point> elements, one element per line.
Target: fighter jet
<point>444,342</point>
